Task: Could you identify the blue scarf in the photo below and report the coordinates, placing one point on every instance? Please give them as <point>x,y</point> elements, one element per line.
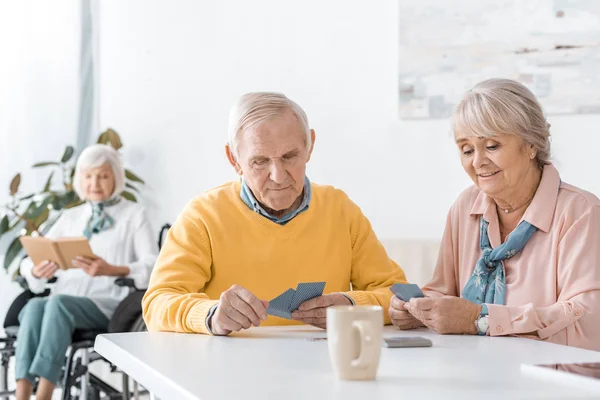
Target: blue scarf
<point>100,220</point>
<point>488,282</point>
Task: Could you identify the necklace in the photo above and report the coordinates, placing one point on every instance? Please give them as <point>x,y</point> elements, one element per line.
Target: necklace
<point>508,210</point>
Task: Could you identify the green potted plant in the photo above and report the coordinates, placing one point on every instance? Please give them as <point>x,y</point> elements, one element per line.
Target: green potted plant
<point>35,213</point>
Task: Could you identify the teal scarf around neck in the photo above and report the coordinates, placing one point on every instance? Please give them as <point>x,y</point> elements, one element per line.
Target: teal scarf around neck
<point>488,282</point>
<point>100,220</point>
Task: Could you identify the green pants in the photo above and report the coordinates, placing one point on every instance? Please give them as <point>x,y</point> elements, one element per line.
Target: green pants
<point>46,327</point>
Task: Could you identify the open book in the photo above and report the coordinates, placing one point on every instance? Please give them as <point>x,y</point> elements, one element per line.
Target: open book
<point>61,251</point>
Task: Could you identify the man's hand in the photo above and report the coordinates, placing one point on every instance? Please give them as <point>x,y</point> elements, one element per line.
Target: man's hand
<point>447,314</point>
<point>98,267</point>
<point>401,318</point>
<point>314,311</point>
<point>238,309</point>
<point>45,269</point>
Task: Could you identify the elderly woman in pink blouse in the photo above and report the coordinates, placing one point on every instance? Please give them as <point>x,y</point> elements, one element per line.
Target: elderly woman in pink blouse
<point>520,253</point>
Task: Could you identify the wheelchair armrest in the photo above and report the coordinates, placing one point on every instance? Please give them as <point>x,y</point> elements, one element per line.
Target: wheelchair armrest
<point>125,282</point>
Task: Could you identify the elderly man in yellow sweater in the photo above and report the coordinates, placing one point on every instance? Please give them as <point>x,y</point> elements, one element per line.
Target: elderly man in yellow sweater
<point>244,242</point>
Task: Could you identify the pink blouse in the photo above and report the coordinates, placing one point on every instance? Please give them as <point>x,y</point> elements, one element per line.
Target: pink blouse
<point>553,284</point>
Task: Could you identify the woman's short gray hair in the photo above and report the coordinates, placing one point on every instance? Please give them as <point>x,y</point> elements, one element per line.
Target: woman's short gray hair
<point>252,109</point>
<point>95,156</point>
<point>504,106</point>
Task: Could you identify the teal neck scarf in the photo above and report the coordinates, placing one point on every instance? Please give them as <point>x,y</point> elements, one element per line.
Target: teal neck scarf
<point>488,282</point>
<point>100,220</point>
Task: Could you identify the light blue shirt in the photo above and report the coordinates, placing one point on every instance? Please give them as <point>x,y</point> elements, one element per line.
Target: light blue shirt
<point>253,204</point>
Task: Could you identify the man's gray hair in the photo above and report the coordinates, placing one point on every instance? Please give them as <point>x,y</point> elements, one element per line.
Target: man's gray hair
<point>504,106</point>
<point>95,156</point>
<point>252,109</point>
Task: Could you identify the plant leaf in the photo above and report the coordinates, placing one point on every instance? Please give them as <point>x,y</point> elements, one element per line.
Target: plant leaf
<point>69,183</point>
<point>45,164</point>
<point>40,219</point>
<point>26,197</point>
<point>129,196</point>
<point>15,223</point>
<point>74,204</point>
<point>102,138</point>
<point>61,200</point>
<point>14,184</point>
<point>48,182</point>
<point>34,211</point>
<point>130,186</point>
<point>13,251</point>
<point>133,177</point>
<point>3,225</point>
<point>67,154</point>
<point>112,138</point>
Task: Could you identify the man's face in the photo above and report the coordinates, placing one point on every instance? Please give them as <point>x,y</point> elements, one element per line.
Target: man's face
<point>272,158</point>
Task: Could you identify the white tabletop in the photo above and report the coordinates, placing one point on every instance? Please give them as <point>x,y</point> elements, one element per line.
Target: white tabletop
<point>293,363</point>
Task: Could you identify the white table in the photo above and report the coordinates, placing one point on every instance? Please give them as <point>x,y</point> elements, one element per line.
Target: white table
<point>293,363</point>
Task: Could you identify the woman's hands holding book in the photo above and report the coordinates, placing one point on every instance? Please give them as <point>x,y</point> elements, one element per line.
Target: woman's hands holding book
<point>98,267</point>
<point>45,269</point>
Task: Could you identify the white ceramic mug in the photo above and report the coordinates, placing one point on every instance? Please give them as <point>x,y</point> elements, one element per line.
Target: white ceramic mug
<point>354,335</point>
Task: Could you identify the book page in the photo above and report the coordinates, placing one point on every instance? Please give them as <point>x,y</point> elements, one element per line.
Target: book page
<point>40,249</point>
<point>73,247</point>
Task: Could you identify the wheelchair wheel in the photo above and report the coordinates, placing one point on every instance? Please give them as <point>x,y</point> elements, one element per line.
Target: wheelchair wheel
<point>93,393</point>
<point>139,325</point>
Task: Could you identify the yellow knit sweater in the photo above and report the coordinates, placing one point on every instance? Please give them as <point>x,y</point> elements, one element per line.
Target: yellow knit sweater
<point>217,241</point>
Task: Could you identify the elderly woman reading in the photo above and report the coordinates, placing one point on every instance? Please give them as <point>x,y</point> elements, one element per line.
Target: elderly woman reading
<point>520,253</point>
<point>84,297</point>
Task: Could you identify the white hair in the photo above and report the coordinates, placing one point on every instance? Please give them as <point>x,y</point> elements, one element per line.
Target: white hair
<point>252,109</point>
<point>504,106</point>
<point>95,156</point>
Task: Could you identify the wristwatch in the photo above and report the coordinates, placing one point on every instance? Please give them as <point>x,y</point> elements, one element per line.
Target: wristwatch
<point>482,322</point>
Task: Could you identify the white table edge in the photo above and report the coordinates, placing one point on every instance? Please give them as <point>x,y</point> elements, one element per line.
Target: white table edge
<point>134,368</point>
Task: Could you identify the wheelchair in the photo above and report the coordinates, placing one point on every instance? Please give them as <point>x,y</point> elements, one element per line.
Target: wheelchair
<point>77,382</point>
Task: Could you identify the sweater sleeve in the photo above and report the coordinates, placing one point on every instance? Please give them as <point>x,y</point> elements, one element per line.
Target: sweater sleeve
<point>175,300</point>
<point>373,272</point>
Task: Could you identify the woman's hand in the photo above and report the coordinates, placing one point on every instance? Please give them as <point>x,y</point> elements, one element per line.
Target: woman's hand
<point>400,317</point>
<point>445,314</point>
<point>45,269</point>
<point>98,267</point>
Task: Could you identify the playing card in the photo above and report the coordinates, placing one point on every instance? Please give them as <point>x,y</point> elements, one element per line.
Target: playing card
<point>406,291</point>
<point>279,313</point>
<point>283,305</point>
<point>306,291</point>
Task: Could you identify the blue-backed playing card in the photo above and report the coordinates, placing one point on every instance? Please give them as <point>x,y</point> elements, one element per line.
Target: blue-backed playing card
<point>306,291</point>
<point>280,305</point>
<point>406,291</point>
<point>287,302</point>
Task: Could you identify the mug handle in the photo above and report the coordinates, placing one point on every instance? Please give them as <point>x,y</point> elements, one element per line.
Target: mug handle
<point>365,330</point>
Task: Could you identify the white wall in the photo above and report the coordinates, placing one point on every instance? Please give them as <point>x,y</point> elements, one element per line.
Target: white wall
<point>39,61</point>
<point>171,70</point>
